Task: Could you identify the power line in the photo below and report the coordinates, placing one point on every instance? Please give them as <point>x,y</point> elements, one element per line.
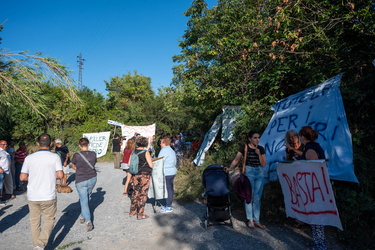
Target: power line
<point>80,64</point>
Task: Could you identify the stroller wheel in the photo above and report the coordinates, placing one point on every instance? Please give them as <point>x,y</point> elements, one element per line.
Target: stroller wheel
<point>231,222</point>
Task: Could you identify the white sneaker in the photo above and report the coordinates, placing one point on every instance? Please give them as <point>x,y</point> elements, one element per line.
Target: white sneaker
<point>166,210</point>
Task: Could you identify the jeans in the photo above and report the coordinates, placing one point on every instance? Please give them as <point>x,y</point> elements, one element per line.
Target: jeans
<point>18,167</point>
<point>170,189</point>
<point>84,190</point>
<point>48,209</point>
<point>255,175</point>
<point>1,181</point>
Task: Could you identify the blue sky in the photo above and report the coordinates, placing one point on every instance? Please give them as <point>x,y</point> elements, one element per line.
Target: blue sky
<point>114,36</point>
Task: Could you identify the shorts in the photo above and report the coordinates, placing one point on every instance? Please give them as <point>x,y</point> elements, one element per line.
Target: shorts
<point>66,169</point>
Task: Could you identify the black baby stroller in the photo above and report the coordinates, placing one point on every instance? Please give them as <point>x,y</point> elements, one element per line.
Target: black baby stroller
<point>216,182</point>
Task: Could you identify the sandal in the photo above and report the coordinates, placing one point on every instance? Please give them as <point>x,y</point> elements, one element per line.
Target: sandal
<point>142,217</point>
<point>125,194</point>
<point>81,220</point>
<point>89,226</point>
<point>257,224</point>
<point>250,224</point>
<point>132,214</point>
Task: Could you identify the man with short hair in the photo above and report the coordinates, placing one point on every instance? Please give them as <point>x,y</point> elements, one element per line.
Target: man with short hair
<point>116,148</point>
<point>63,152</point>
<point>4,165</point>
<point>41,169</point>
<point>19,158</point>
<point>136,135</point>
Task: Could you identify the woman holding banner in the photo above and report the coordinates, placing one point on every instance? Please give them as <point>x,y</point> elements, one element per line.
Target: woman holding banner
<point>313,151</point>
<point>294,147</point>
<point>125,159</point>
<point>255,159</point>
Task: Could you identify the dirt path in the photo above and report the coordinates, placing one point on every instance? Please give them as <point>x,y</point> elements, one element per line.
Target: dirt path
<point>114,229</point>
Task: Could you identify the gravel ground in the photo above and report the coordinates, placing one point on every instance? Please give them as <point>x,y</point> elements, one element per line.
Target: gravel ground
<point>114,229</point>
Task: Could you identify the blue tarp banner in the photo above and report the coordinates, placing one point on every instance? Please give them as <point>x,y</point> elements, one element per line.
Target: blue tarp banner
<point>322,108</point>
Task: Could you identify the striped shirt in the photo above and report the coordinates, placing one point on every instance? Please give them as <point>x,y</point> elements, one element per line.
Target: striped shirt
<point>20,155</point>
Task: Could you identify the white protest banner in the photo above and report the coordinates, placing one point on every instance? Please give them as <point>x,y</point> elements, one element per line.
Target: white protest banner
<point>146,131</point>
<point>320,107</point>
<point>229,116</point>
<point>209,138</point>
<point>308,194</point>
<point>115,123</point>
<point>158,188</point>
<point>98,142</point>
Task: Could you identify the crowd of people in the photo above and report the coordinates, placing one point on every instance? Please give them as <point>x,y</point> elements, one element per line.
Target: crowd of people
<point>40,170</point>
<point>299,146</point>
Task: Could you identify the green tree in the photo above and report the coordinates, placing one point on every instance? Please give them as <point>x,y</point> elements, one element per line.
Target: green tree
<point>253,53</point>
<point>128,89</point>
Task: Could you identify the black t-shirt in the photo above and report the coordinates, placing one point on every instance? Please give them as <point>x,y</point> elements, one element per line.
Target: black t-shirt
<point>292,153</point>
<point>252,158</point>
<point>116,145</point>
<point>84,172</point>
<point>142,162</point>
<point>62,152</point>
<point>316,147</point>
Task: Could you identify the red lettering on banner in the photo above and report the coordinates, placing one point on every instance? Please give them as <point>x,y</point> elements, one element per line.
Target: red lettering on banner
<point>306,187</point>
<point>312,212</point>
<point>315,186</point>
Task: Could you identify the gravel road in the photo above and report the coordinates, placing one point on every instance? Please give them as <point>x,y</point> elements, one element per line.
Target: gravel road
<point>114,229</point>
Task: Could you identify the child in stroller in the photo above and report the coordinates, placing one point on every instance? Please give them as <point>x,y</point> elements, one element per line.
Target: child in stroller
<point>217,194</point>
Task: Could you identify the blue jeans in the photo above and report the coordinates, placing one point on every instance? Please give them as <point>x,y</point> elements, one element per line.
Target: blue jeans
<point>84,190</point>
<point>18,167</point>
<point>1,181</point>
<point>256,177</point>
<point>169,181</point>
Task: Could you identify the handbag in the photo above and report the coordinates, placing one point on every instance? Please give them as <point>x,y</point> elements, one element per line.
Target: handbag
<point>124,166</point>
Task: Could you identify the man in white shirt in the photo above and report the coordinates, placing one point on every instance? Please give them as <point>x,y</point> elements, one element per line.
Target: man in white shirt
<point>4,165</point>
<point>41,169</point>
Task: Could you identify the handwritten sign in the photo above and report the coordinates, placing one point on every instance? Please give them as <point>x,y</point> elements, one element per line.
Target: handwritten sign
<point>320,107</point>
<point>158,188</point>
<point>146,131</point>
<point>98,142</point>
<point>308,194</point>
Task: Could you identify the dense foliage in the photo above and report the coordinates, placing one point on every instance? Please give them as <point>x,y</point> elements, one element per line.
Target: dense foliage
<point>240,52</point>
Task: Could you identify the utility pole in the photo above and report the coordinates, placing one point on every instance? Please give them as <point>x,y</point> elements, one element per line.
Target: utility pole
<point>80,64</point>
